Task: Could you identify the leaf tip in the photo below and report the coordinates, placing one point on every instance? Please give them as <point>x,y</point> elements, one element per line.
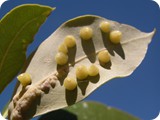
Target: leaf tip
<point>154,31</point>
<point>48,12</point>
<point>53,8</point>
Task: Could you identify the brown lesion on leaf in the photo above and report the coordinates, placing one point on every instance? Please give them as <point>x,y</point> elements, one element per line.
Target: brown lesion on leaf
<point>24,107</point>
<point>24,103</point>
<point>62,72</point>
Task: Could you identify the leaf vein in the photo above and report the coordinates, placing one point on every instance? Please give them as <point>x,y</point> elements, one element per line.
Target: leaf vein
<point>13,40</point>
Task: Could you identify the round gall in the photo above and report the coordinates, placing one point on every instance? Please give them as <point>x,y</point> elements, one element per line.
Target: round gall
<point>86,33</point>
<point>115,36</point>
<point>63,48</point>
<point>103,56</point>
<point>93,70</point>
<point>25,79</point>
<point>81,72</point>
<point>70,41</point>
<point>70,83</point>
<point>61,58</point>
<point>105,27</point>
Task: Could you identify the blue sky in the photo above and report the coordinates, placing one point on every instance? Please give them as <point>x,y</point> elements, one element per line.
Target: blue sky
<point>138,94</point>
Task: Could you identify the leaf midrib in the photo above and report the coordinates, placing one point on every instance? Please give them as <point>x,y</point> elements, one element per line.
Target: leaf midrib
<point>97,51</point>
<point>13,40</point>
<point>137,38</point>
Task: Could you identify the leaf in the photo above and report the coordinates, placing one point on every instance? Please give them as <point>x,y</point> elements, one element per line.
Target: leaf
<point>125,58</point>
<point>88,111</point>
<point>5,109</point>
<point>17,30</point>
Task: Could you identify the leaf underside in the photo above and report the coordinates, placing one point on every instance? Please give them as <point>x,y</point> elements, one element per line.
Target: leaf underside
<point>17,30</point>
<point>88,111</point>
<point>125,58</point>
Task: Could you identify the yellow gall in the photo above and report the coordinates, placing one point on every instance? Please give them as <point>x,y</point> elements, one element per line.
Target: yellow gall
<point>103,56</point>
<point>70,83</point>
<point>86,33</point>
<point>81,72</point>
<point>105,26</point>
<point>70,41</point>
<point>115,36</point>
<point>61,58</point>
<point>93,70</point>
<point>63,48</point>
<point>24,79</point>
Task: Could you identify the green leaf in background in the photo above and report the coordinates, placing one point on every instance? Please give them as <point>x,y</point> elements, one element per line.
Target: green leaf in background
<point>88,111</point>
<point>17,30</point>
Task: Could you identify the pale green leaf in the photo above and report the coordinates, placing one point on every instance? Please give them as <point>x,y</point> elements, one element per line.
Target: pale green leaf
<point>125,58</point>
